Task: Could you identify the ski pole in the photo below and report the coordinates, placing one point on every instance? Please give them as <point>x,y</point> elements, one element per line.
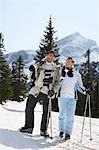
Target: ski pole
<point>84,118</point>
<point>90,117</point>
<point>49,117</point>
<point>87,100</point>
<point>50,109</point>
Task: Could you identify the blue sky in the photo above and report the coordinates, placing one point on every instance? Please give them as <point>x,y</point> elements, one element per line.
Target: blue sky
<point>23,21</point>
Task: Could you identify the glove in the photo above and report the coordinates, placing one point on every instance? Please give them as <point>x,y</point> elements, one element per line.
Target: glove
<point>51,93</point>
<point>32,68</point>
<point>88,91</point>
<point>70,73</point>
<point>63,71</point>
<point>50,79</point>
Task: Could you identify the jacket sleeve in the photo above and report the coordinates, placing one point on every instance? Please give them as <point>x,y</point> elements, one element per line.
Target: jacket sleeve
<point>79,85</point>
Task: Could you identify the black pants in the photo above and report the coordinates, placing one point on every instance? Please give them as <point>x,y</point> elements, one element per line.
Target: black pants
<point>29,112</point>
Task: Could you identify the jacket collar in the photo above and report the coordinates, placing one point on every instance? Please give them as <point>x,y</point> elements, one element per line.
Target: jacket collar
<point>52,63</point>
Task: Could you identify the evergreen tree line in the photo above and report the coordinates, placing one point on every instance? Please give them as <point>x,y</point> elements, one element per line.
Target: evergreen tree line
<point>90,75</point>
<point>13,82</point>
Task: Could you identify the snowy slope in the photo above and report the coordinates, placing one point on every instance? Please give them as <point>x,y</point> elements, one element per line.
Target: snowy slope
<point>12,118</point>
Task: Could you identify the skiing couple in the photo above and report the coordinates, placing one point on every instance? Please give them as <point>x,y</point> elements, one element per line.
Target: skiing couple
<point>49,74</point>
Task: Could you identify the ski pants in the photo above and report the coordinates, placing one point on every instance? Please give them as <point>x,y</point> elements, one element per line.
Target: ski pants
<point>67,108</point>
<point>29,111</point>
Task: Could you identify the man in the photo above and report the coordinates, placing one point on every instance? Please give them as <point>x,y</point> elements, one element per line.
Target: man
<point>71,82</point>
<point>47,76</point>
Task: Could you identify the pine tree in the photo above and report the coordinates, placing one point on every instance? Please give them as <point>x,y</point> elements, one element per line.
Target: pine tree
<point>87,72</point>
<point>94,85</point>
<point>86,76</point>
<point>2,48</point>
<point>19,80</point>
<point>90,76</point>
<point>95,109</point>
<point>47,43</point>
<point>5,80</point>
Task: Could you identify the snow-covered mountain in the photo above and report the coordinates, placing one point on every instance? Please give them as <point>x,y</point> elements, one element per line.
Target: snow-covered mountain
<point>27,55</point>
<point>74,45</point>
<point>12,118</point>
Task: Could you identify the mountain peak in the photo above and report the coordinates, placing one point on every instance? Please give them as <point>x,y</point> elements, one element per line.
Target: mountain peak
<point>75,34</point>
<point>68,38</point>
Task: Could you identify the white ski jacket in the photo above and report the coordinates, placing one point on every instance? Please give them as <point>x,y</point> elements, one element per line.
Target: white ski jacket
<point>70,85</point>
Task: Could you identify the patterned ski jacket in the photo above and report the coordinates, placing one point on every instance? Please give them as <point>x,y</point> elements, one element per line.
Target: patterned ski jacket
<point>41,78</point>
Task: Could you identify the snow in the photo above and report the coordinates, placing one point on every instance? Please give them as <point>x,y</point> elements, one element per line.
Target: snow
<point>12,118</point>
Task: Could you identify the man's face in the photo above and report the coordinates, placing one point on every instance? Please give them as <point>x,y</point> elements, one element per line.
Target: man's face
<point>50,57</point>
<point>69,63</point>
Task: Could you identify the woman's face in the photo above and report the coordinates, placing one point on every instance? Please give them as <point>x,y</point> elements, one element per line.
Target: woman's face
<point>69,63</point>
